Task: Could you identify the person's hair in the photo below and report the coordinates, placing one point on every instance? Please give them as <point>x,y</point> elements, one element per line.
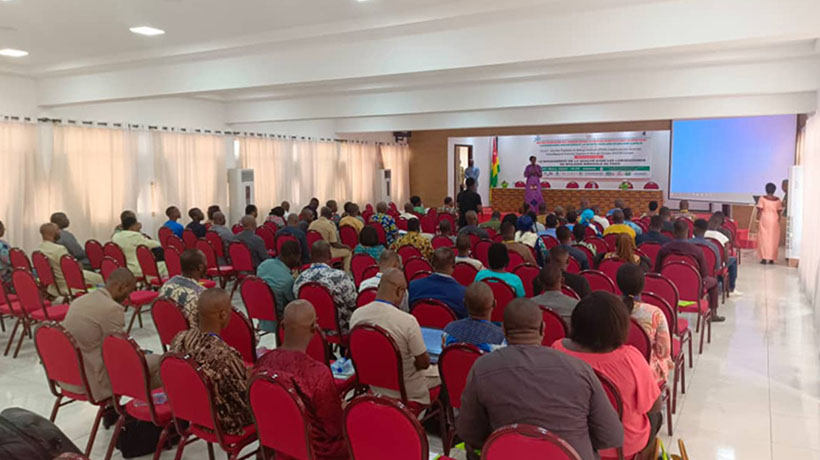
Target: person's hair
<point>218,218</point>
<point>558,252</point>
<point>290,248</point>
<point>618,217</point>
<point>627,213</point>
<point>478,298</point>
<point>368,236</point>
<point>771,188</point>
<point>314,200</point>
<point>444,226</point>
<point>443,258</point>
<point>348,207</point>
<point>250,209</point>
<point>497,256</point>
<point>681,229</point>
<point>128,222</point>
<point>168,211</point>
<point>326,212</point>
<point>653,205</point>
<point>551,221</point>
<point>191,259</point>
<point>630,279</point>
<point>549,276</point>
<point>542,207</point>
<point>448,200</point>
<point>563,234</point>
<point>211,210</point>
<point>2,228</point>
<point>470,182</point>
<point>413,225</point>
<point>496,215</point>
<point>572,216</point>
<point>332,204</point>
<point>715,221</point>
<point>58,218</point>
<point>619,203</point>
<point>125,214</point>
<point>656,223</point>
<point>507,227</point>
<point>683,205</point>
<point>408,207</point>
<point>665,213</point>
<point>192,213</point>
<point>701,225</point>
<point>278,211</point>
<point>532,157</point>
<point>463,242</point>
<point>720,215</point>
<point>381,207</point>
<point>512,218</point>
<point>600,322</point>
<point>416,200</point>
<point>389,258</point>
<point>559,211</point>
<point>579,231</point>
<point>625,247</point>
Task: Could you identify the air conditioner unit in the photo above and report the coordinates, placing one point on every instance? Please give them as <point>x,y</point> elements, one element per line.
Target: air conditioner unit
<point>383,182</point>
<point>240,192</point>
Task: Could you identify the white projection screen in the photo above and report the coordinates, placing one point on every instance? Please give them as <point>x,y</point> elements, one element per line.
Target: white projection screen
<point>728,160</point>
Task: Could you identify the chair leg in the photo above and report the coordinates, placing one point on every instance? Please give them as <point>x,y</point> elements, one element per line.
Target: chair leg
<point>26,328</point>
<point>210,451</point>
<point>702,335</point>
<point>668,413</point>
<point>114,437</point>
<point>2,324</point>
<point>133,317</point>
<point>55,408</point>
<point>697,324</point>
<point>181,446</point>
<point>691,361</point>
<point>709,329</point>
<point>161,443</point>
<point>94,429</point>
<point>11,337</point>
<point>683,377</point>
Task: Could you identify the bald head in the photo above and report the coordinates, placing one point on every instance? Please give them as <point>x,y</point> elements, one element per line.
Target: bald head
<point>218,218</point>
<point>392,286</point>
<point>299,323</point>
<point>471,217</point>
<point>326,212</point>
<point>444,261</point>
<point>49,232</point>
<point>214,308</point>
<point>293,220</point>
<point>523,322</point>
<point>389,259</point>
<point>479,300</point>
<point>121,282</point>
<point>248,222</point>
<point>320,252</point>
<point>381,207</point>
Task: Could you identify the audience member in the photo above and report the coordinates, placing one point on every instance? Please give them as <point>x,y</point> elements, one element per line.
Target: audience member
<point>441,285</point>
<point>5,258</point>
<point>476,329</point>
<point>666,219</point>
<point>445,229</point>
<point>306,217</point>
<point>652,209</point>
<point>221,364</point>
<point>278,273</point>
<point>498,260</point>
<point>334,212</point>
<point>628,221</point>
<point>277,217</point>
<point>618,225</point>
<point>337,283</point>
<point>369,243</point>
<point>251,210</point>
<point>292,229</point>
<point>468,200</point>
<point>330,233</point>
<point>414,238</point>
<point>254,242</point>
<point>579,232</point>
<point>448,207</point>
<point>542,213</point>
<point>417,206</point>
<point>225,234</point>
<point>526,235</point>
<point>471,226</point>
<point>572,219</point>
<point>560,256</point>
<point>701,228</point>
<point>352,218</point>
<point>381,217</point>
<point>551,225</point>
<point>630,279</point>
<point>683,210</point>
<point>508,237</point>
<point>619,206</point>
<point>68,240</point>
<point>654,234</point>
<point>720,219</point>
<point>625,251</point>
<point>389,259</point>
<point>681,245</point>
<point>196,224</point>
<point>184,289</point>
<point>212,209</point>
<point>409,212</point>
<point>54,252</point>
<point>405,331</point>
<point>551,390</point>
<point>314,206</point>
<point>463,248</point>
<point>129,239</point>
<point>286,206</point>
<point>564,236</point>
<point>547,286</point>
<point>312,380</point>
<point>597,217</point>
<point>714,231</point>
<point>494,222</point>
<point>598,334</point>
<point>173,214</point>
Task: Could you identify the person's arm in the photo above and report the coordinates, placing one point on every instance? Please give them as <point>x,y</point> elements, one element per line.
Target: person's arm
<point>114,322</point>
<point>422,361</point>
<point>473,423</point>
<point>416,345</point>
<point>73,246</point>
<point>149,243</point>
<point>259,247</point>
<point>662,342</point>
<point>605,428</point>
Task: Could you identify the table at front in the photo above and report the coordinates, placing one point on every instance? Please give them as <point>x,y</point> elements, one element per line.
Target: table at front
<point>511,199</point>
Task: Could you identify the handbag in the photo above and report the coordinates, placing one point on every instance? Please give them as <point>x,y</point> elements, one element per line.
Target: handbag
<point>138,438</point>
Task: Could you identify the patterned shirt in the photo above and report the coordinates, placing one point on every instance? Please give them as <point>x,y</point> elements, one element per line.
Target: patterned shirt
<point>224,368</point>
<point>5,262</point>
<point>417,241</point>
<point>339,285</point>
<point>373,251</point>
<point>389,225</point>
<point>479,332</point>
<point>185,292</point>
<point>653,322</point>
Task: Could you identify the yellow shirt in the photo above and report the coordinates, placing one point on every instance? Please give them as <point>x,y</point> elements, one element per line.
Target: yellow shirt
<point>54,252</point>
<point>417,240</point>
<point>326,228</point>
<point>620,228</point>
<point>128,241</point>
<point>352,222</point>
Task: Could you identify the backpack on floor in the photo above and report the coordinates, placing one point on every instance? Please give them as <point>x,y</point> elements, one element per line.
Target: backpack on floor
<point>138,438</point>
<point>25,435</point>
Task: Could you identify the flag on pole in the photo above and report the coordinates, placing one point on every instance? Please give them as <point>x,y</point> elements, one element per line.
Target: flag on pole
<point>494,168</point>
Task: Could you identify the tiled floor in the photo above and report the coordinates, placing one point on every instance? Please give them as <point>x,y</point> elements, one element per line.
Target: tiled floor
<point>753,395</point>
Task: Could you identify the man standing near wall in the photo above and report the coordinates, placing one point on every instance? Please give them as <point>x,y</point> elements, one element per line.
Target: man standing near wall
<point>472,171</point>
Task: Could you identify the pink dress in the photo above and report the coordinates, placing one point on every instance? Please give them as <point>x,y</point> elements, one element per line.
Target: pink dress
<point>768,235</point>
<point>533,196</point>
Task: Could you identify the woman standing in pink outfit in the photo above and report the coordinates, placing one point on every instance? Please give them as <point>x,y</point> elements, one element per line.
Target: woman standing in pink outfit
<point>768,235</point>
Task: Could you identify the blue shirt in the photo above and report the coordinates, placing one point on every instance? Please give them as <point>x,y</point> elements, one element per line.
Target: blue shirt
<point>634,226</point>
<point>479,332</point>
<point>578,255</point>
<point>652,237</point>
<point>175,227</point>
<point>510,278</point>
<point>440,287</point>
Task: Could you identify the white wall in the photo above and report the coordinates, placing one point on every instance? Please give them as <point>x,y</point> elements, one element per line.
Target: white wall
<point>18,96</point>
<point>482,155</point>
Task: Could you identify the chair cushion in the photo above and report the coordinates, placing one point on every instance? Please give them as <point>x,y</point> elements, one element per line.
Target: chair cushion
<point>223,270</point>
<point>157,281</point>
<point>416,408</point>
<point>683,324</point>
<point>139,410</point>
<point>207,284</point>
<point>208,436</point>
<point>344,385</point>
<point>142,297</point>
<point>55,313</point>
<point>6,309</point>
<point>12,299</point>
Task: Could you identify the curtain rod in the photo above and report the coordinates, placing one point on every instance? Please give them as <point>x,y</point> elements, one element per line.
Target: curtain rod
<point>219,132</point>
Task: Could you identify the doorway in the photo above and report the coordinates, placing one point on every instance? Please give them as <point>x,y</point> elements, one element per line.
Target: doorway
<point>462,157</point>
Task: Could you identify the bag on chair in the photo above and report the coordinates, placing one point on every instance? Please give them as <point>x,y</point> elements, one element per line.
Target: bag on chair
<point>25,435</point>
<point>138,438</point>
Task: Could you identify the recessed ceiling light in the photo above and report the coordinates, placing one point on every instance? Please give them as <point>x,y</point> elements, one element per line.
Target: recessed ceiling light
<point>145,30</point>
<point>10,52</point>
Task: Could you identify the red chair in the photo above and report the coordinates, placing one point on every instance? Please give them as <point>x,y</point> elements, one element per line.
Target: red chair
<point>555,328</point>
<point>590,257</point>
<point>240,335</point>
<point>169,321</point>
<point>573,266</point>
<point>172,261</point>
<point>464,273</point>
<point>19,260</point>
<point>73,275</point>
<point>191,396</point>
<point>545,184</point>
<point>327,313</point>
<point>217,243</point>
<point>370,272</point>
<point>408,252</point>
<point>401,223</point>
<point>666,290</point>
<point>148,264</point>
<point>610,268</point>
<point>271,226</point>
<point>173,241</point>
<point>515,259</point>
<point>349,236</point>
<point>95,253</point>
<point>678,357</point>
<point>591,184</point>
<point>690,287</point>
<point>259,300</point>
<point>526,441</point>
<point>129,376</point>
<point>312,237</point>
<point>366,296</point>
<point>599,229</point>
<point>601,246</point>
<point>590,231</point>
<point>449,217</point>
<point>189,238</point>
<point>549,241</point>
<point>721,273</point>
<point>414,265</point>
<point>440,241</point>
<point>572,184</point>
<point>428,223</point>
<point>454,365</point>
<point>503,294</point>
<point>527,273</point>
<point>599,281</point>
<point>268,237</point>
<point>282,423</point>
<point>419,275</point>
<point>224,273</point>
<point>115,252</point>
<point>63,363</point>
<point>569,292</point>
<point>610,241</point>
<point>236,229</point>
<point>281,239</point>
<point>615,399</point>
<point>481,250</point>
<point>432,313</point>
<point>30,308</point>
<point>379,231</point>
<point>651,186</point>
<point>163,233</point>
<point>357,265</point>
<point>45,273</point>
<point>650,249</point>
<point>241,262</point>
<point>520,184</point>
<point>685,258</point>
<point>107,266</point>
<point>639,339</point>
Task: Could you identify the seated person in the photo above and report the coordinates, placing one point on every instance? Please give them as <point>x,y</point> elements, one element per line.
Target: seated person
<point>572,219</point>
<point>369,243</point>
<point>471,227</point>
<point>714,230</point>
<point>666,218</point>
<point>68,239</point>
<point>628,221</point>
<point>498,259</point>
<point>351,217</point>
<point>560,256</point>
<point>652,209</point>
<point>277,217</point>
<point>508,233</point>
<point>445,229</point>
<point>312,379</point>
<point>476,329</point>
<point>579,232</point>
<point>212,209</point>
<point>463,248</point>
<point>630,279</point>
<point>292,229</point>
<point>278,273</point>
<point>173,214</point>
<point>409,213</point>
<point>218,361</point>
<point>547,286</point>
<point>225,234</point>
<point>334,212</point>
<point>184,289</point>
<point>448,207</point>
<point>337,282</point>
<point>625,251</point>
<point>701,227</point>
<point>254,242</point>
<point>325,226</point>
<point>619,206</point>
<point>618,225</point>
<point>381,217</point>
<point>597,217</point>
<point>494,222</point>
<point>683,210</point>
<point>405,331</point>
<point>525,234</point>
<point>414,238</point>
<point>128,239</point>
<point>388,259</point>
<point>251,210</point>
<point>441,285</point>
<point>54,252</point>
<point>654,234</point>
<point>196,224</point>
<point>551,390</point>
<point>598,334</point>
<point>417,206</point>
<point>564,236</point>
<point>551,224</point>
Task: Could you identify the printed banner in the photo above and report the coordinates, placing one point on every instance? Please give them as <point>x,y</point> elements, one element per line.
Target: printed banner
<point>602,155</point>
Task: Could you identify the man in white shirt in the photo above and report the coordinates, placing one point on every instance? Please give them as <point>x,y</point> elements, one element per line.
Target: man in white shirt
<point>408,212</point>
<point>463,247</point>
<point>598,218</point>
<point>389,259</point>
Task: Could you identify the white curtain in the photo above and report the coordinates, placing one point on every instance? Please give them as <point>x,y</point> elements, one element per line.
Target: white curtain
<point>396,158</point>
<point>190,171</point>
<point>23,197</point>
<point>357,173</point>
<point>809,157</point>
<point>272,163</point>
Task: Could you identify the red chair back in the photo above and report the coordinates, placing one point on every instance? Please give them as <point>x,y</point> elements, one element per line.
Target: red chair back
<point>258,299</point>
<point>414,265</point>
<point>370,272</point>
<point>240,257</point>
<point>601,246</point>
<point>377,358</point>
<point>236,229</point>
<point>432,313</point>
<point>599,281</point>
<point>464,273</point>
<point>73,274</point>
<point>408,252</point>
<point>173,241</point>
<point>685,258</point>
<point>28,293</point>
<point>503,294</point>
<point>163,233</point>
<point>449,217</point>
<point>216,242</point>
<point>515,260</point>
<point>481,250</point>
<point>168,319</point>
<point>281,421</point>
<point>610,267</point>
<point>281,239</point>
<point>44,270</point>
<point>711,258</point>
<point>589,231</point>
<point>610,241</point>
<point>573,266</point>
<point>107,266</point>
<point>128,371</point>
<point>312,237</point>
<point>61,357</point>
<point>527,273</point>
<point>526,441</point>
<point>375,425</point>
<point>357,265</point>
<point>366,296</point>
<point>555,328</point>
<point>650,249</point>
<point>326,312</point>
<point>662,287</point>
<point>428,223</point>
<point>210,253</point>
<point>172,261</point>
<point>379,231</point>
<point>240,335</point>
<point>95,253</point>
<point>721,250</point>
<point>189,391</point>
<point>591,184</point>
<point>401,223</point>
<point>147,263</point>
<point>454,365</point>
<point>549,241</point>
<point>420,275</point>
<point>590,257</point>
<point>638,338</point>
<point>651,186</point>
<point>440,241</point>
<point>349,236</point>
<point>689,224</point>
<point>572,184</point>
<point>19,260</point>
<point>569,292</point>
<point>268,237</point>
<point>686,278</point>
<point>189,238</point>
